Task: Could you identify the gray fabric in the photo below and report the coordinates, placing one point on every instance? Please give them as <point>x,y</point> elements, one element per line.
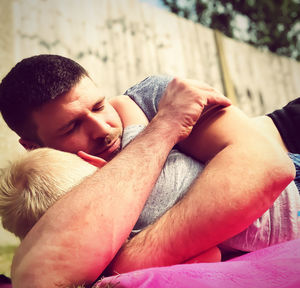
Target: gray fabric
<point>280,223</point>
<point>176,177</point>
<point>147,93</point>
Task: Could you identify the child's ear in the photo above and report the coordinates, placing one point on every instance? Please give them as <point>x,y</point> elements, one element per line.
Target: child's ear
<point>29,145</point>
<point>96,161</point>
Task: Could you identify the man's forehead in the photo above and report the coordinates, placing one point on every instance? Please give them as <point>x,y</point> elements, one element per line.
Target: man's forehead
<point>81,95</point>
<point>84,95</point>
<point>85,91</point>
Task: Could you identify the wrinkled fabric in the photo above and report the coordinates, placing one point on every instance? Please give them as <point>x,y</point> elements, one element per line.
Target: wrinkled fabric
<point>279,224</point>
<point>176,177</point>
<point>277,266</point>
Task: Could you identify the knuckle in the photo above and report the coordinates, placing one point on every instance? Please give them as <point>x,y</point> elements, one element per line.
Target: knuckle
<point>178,83</point>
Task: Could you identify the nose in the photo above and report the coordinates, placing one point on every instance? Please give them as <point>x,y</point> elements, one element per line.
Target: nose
<point>97,127</point>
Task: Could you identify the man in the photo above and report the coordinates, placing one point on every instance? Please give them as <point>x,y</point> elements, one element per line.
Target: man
<point>77,248</point>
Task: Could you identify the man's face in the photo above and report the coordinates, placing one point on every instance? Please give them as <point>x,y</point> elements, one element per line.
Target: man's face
<point>81,120</point>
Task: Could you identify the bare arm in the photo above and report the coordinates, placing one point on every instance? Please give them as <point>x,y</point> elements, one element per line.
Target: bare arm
<point>129,112</point>
<point>245,174</point>
<point>79,235</point>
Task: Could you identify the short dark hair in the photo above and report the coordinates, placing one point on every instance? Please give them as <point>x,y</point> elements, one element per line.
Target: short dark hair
<point>33,82</point>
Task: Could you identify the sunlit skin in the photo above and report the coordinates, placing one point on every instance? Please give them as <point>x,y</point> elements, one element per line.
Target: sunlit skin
<point>84,121</point>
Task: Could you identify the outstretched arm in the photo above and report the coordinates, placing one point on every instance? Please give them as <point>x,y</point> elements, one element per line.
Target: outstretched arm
<point>78,236</point>
<point>245,173</point>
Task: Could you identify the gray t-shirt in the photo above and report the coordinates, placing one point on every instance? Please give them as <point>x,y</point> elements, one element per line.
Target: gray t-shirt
<point>177,175</point>
<point>278,224</point>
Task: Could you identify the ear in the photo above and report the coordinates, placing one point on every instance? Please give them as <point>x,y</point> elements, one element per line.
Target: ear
<point>28,145</point>
<point>94,160</point>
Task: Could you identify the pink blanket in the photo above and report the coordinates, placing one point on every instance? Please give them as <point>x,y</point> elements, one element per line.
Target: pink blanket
<point>272,267</point>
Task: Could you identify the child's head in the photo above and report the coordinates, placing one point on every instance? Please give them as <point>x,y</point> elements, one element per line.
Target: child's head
<point>34,182</point>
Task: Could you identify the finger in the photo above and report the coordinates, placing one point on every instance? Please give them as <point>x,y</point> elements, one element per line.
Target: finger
<point>209,98</point>
<point>218,98</point>
<point>214,96</point>
<point>94,160</point>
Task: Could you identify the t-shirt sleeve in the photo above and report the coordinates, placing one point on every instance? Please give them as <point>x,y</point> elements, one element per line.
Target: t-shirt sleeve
<point>148,93</point>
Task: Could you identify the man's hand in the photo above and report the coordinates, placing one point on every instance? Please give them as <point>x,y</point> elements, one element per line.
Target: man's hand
<point>243,177</point>
<point>81,233</point>
<point>184,101</point>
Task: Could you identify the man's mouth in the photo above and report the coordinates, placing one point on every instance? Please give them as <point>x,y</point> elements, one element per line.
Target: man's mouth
<point>111,150</point>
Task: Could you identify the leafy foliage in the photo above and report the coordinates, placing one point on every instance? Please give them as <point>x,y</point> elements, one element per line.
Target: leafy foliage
<point>269,24</point>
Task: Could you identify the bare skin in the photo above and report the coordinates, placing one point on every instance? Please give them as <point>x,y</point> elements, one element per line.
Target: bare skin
<point>131,114</point>
<point>58,253</point>
<point>136,253</point>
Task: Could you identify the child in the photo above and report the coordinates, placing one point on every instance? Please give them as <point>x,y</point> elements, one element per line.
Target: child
<point>280,223</point>
<point>33,183</point>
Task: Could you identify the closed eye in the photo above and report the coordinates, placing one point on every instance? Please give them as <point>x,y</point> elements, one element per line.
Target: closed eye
<point>98,107</point>
<point>73,126</point>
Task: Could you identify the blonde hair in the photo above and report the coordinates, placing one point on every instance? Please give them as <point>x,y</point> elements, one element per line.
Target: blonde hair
<point>34,182</point>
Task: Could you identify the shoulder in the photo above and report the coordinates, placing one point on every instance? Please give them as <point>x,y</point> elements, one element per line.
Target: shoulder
<point>151,83</point>
<point>129,112</point>
<point>147,93</point>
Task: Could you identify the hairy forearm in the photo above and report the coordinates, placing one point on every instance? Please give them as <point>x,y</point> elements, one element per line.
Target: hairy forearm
<point>77,237</point>
<point>225,205</point>
<point>238,184</point>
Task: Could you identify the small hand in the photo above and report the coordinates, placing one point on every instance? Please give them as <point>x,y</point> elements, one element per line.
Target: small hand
<point>94,160</point>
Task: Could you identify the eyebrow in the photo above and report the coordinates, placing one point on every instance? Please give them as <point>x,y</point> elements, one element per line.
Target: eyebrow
<point>72,121</point>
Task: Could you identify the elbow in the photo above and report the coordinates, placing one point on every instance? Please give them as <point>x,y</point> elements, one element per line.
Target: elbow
<point>22,276</point>
<point>281,172</point>
<point>290,170</point>
<point>286,169</point>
